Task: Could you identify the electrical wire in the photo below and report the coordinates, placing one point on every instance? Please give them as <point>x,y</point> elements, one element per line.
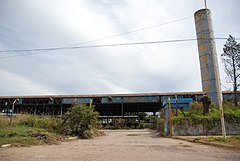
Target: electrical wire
<point>223,38</point>
<point>37,51</point>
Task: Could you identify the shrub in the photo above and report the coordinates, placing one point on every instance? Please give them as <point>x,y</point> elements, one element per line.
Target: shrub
<point>80,121</point>
<point>116,123</point>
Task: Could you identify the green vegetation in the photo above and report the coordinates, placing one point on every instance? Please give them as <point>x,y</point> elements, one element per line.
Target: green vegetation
<point>218,139</point>
<point>48,123</point>
<point>116,123</point>
<point>80,121</point>
<point>28,130</point>
<point>231,114</point>
<point>230,59</point>
<point>22,135</point>
<point>195,117</point>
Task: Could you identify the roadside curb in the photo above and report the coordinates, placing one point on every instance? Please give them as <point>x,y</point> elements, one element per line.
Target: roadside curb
<point>203,142</point>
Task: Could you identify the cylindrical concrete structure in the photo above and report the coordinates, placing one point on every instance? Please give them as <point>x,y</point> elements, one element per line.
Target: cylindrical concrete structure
<point>208,56</point>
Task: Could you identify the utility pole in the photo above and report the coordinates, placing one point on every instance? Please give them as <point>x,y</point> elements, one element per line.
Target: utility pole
<point>11,118</point>
<point>170,116</point>
<point>205,3</point>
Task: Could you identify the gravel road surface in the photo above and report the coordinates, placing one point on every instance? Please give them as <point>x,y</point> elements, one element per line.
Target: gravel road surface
<point>121,145</point>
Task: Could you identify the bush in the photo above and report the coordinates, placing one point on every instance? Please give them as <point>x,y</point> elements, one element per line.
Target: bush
<point>116,123</point>
<point>232,115</point>
<point>80,121</point>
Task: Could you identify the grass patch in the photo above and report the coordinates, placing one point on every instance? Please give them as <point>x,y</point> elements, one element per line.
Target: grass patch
<point>218,139</point>
<point>27,136</point>
<point>28,130</point>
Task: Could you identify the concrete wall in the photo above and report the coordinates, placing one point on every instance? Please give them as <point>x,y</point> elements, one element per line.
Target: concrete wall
<point>200,129</point>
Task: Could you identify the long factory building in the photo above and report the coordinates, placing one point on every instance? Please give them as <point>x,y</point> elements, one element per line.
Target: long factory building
<point>105,104</point>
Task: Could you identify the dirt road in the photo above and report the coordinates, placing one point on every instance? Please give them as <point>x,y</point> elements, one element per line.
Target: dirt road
<point>134,145</point>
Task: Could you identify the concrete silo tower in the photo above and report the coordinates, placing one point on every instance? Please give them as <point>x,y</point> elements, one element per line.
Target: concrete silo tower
<point>208,56</point>
<point>208,60</point>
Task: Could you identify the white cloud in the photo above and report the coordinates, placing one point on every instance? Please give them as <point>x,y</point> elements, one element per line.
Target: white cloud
<point>139,68</point>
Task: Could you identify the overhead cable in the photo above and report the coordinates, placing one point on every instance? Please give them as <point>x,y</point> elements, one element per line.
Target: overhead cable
<point>37,51</point>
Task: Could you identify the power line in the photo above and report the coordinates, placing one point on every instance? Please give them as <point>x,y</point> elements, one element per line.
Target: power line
<point>103,38</point>
<point>97,46</point>
<point>37,51</point>
<point>223,38</point>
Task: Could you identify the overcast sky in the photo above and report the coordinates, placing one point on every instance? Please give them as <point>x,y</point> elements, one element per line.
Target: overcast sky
<point>166,67</point>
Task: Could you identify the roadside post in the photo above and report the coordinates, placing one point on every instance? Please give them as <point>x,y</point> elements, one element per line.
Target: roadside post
<point>170,116</point>
<point>11,118</point>
<point>90,104</point>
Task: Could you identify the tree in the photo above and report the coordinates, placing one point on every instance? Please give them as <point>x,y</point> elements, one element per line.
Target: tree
<point>80,121</point>
<point>231,61</point>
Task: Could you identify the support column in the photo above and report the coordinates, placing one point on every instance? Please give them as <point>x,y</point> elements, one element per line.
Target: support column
<point>122,106</point>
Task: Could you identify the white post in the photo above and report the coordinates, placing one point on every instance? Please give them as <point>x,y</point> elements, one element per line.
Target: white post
<point>11,119</point>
